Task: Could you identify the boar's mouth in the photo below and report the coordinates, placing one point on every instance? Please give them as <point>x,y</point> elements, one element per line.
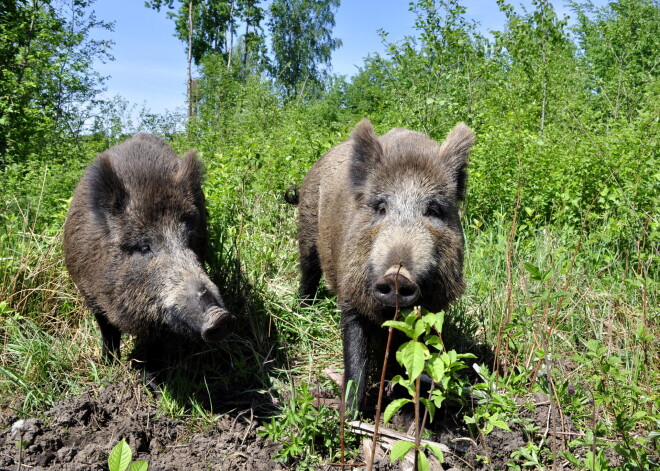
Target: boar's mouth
<point>218,325</point>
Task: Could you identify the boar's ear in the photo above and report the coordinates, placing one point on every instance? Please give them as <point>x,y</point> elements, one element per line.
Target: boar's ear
<point>454,152</point>
<point>108,195</point>
<point>190,170</point>
<point>366,152</point>
<point>190,174</point>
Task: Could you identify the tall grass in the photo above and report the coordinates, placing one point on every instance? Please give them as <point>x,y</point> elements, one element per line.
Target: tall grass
<point>49,345</point>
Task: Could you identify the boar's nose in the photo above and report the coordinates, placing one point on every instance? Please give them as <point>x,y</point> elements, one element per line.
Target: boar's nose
<point>218,322</point>
<point>218,325</point>
<point>385,290</point>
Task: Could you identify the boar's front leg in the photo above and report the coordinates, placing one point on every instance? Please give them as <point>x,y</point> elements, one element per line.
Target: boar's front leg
<point>111,336</point>
<point>355,329</point>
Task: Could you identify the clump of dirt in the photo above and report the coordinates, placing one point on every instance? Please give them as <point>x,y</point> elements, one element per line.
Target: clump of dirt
<point>79,434</point>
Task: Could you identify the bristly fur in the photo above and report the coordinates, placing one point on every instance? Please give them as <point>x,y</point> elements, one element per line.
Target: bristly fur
<point>455,150</point>
<point>108,194</point>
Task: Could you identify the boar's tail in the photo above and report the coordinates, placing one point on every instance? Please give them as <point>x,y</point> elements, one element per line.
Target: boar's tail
<point>292,194</point>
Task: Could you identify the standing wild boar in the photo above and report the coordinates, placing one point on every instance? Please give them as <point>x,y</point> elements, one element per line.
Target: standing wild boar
<point>134,243</point>
<point>375,212</point>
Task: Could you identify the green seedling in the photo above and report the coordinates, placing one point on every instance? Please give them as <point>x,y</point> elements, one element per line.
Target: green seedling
<point>121,457</point>
<point>424,353</point>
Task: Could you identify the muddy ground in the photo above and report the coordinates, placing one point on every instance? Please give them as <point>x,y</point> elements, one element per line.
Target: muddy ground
<point>78,434</point>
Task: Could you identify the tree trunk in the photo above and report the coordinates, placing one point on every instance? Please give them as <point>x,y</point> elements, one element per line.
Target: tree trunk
<point>231,35</point>
<point>190,80</point>
<point>245,46</point>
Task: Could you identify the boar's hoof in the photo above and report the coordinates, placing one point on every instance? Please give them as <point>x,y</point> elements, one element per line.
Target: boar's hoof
<point>219,324</point>
<point>385,290</point>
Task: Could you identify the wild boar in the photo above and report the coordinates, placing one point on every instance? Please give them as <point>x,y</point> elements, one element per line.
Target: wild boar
<point>134,244</point>
<point>377,213</point>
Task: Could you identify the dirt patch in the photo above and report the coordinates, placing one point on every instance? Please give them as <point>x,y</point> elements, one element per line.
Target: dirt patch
<point>79,434</point>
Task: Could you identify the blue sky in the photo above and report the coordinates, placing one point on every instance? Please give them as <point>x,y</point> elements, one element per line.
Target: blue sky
<point>150,63</point>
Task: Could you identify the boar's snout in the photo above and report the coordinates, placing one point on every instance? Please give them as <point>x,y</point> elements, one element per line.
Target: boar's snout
<point>385,290</point>
<point>218,323</point>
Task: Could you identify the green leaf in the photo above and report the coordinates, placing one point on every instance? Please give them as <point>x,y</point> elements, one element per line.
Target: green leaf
<point>434,341</point>
<point>466,355</point>
<point>435,320</point>
<point>488,427</point>
<point>400,449</point>
<point>533,270</point>
<point>435,449</point>
<point>402,326</point>
<point>501,424</point>
<point>393,407</point>
<point>422,461</point>
<point>430,406</point>
<point>406,383</point>
<point>468,419</point>
<point>438,397</point>
<point>120,456</point>
<point>413,355</point>
<point>435,368</point>
<point>139,466</point>
<point>420,328</point>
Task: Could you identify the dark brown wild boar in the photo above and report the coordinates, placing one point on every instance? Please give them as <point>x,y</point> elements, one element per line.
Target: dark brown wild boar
<point>134,243</point>
<point>379,211</point>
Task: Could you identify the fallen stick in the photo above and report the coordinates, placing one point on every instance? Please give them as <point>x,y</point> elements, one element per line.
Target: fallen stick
<point>389,436</point>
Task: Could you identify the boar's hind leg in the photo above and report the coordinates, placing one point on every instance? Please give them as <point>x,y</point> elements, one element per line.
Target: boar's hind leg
<point>355,330</point>
<point>111,336</point>
<point>310,269</point>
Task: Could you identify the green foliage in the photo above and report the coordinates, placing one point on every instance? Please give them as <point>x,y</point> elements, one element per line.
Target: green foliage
<point>302,43</point>
<point>493,408</point>
<point>620,46</point>
<point>47,87</point>
<point>424,329</point>
<point>306,429</point>
<point>214,25</point>
<point>529,455</point>
<point>631,406</point>
<point>121,457</point>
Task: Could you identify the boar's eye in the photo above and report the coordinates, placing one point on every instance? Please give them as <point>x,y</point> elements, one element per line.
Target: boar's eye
<point>381,208</point>
<point>143,249</point>
<point>435,210</point>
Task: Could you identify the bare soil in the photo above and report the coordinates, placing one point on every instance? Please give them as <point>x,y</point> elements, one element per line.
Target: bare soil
<point>77,434</point>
